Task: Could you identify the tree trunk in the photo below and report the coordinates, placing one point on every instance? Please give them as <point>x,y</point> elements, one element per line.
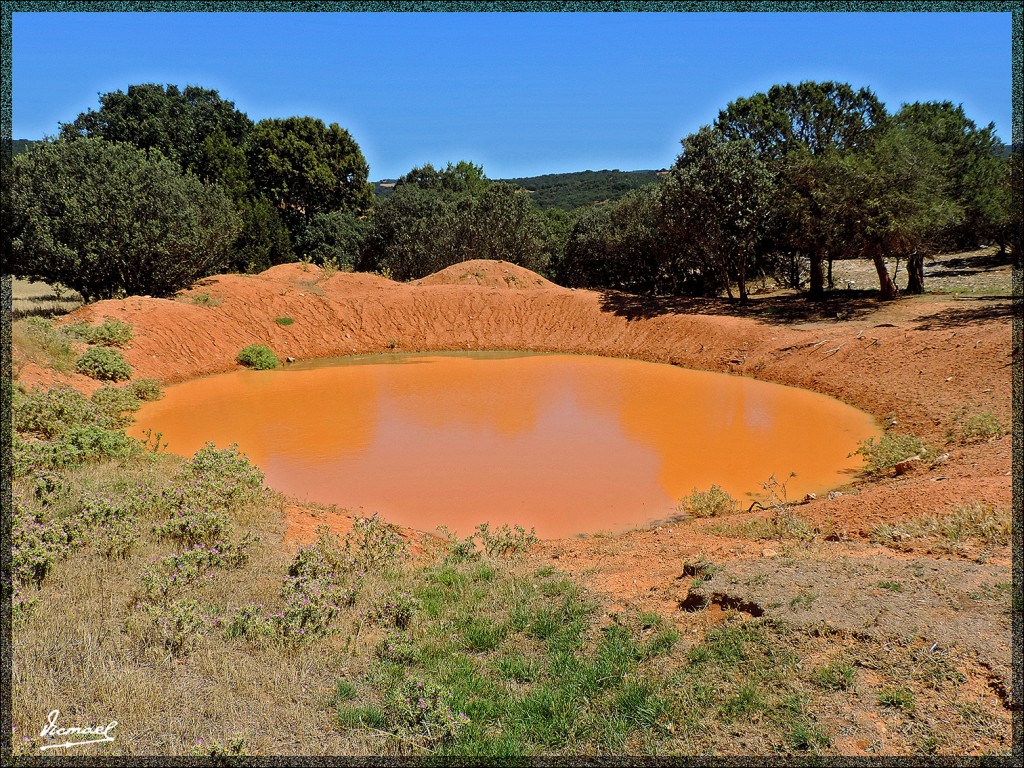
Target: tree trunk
<point>915,273</point>
<point>885,283</point>
<point>742,280</point>
<point>817,289</point>
<point>831,284</point>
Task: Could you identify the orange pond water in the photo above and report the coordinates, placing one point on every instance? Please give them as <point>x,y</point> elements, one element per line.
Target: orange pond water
<point>567,444</point>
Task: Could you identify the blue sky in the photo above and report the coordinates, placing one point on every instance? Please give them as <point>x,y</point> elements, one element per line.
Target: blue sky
<point>520,93</point>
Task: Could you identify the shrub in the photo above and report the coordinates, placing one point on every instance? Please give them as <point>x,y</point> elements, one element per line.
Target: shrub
<point>422,709</point>
<point>395,610</point>
<point>889,451</point>
<point>710,503</point>
<point>283,320</point>
<point>505,541</point>
<point>258,356</point>
<point>975,427</point>
<point>48,413</point>
<point>115,406</point>
<point>103,363</point>
<point>147,390</point>
<point>107,219</point>
<point>112,333</point>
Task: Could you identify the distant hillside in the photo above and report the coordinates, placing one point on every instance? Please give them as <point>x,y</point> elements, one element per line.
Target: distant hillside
<point>572,190</point>
<point>20,146</point>
<point>567,190</point>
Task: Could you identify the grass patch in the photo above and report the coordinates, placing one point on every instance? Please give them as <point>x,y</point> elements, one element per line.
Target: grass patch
<point>834,677</point>
<point>258,356</point>
<point>283,320</point>
<point>972,522</point>
<point>897,698</point>
<point>42,343</point>
<point>204,300</point>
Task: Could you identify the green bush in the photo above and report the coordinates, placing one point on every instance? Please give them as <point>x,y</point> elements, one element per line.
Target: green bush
<point>258,356</point>
<point>112,333</point>
<point>710,503</point>
<point>105,364</point>
<point>147,390</point>
<point>889,451</point>
<point>976,427</point>
<point>283,320</point>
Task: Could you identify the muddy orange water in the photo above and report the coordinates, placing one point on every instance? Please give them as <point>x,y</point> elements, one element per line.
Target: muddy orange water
<point>566,444</point>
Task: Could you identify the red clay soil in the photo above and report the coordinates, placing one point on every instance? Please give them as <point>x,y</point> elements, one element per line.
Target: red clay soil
<point>917,362</point>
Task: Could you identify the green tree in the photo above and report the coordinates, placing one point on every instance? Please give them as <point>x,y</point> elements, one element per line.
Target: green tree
<point>264,239</point>
<point>973,174</point>
<point>890,201</point>
<point>106,218</point>
<point>812,120</point>
<point>332,239</point>
<point>434,219</point>
<point>717,200</point>
<point>165,118</point>
<point>305,167</point>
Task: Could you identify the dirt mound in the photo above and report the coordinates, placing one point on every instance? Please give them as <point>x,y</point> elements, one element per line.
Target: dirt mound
<point>488,274</point>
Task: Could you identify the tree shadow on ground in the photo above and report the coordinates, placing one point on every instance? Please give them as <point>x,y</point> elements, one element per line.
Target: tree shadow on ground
<point>964,266</point>
<point>999,308</point>
<point>777,309</point>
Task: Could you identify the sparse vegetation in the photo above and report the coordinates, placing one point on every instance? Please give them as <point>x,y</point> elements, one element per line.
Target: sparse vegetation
<point>977,522</point>
<point>43,343</point>
<point>110,333</point>
<point>283,320</point>
<point>258,356</point>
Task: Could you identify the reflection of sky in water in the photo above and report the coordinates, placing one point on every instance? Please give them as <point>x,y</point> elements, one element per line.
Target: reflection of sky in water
<point>567,444</point>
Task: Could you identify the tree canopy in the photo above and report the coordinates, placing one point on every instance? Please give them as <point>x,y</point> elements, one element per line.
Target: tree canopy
<point>305,167</point>
<point>436,218</point>
<point>108,219</point>
<point>173,121</point>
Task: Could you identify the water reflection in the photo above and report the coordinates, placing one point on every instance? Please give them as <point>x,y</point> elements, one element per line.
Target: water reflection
<point>567,444</point>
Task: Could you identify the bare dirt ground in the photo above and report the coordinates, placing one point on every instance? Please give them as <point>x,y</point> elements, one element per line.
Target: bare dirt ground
<point>915,364</point>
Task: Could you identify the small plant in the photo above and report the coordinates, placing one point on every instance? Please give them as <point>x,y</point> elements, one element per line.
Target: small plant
<point>890,450</point>
<point>710,503</point>
<point>393,344</point>
<point>283,320</point>
<point>147,390</point>
<point>104,364</point>
<point>897,698</point>
<point>112,333</point>
<point>892,586</point>
<point>834,677</point>
<point>343,691</point>
<point>258,356</point>
<point>205,300</point>
<point>505,541</point>
<point>975,427</point>
<point>421,709</point>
